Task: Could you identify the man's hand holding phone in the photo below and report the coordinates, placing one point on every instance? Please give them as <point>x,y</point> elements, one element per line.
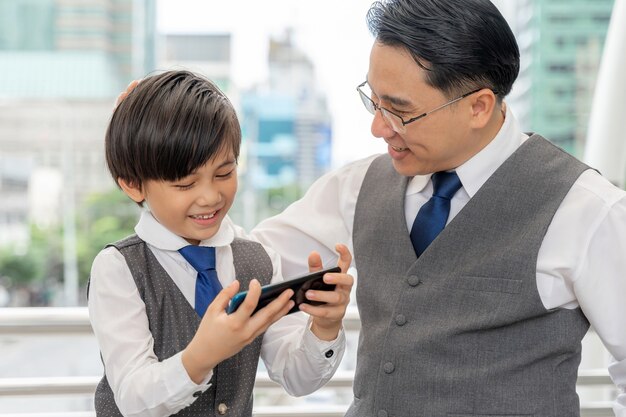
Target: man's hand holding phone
<point>323,293</point>
<point>328,317</point>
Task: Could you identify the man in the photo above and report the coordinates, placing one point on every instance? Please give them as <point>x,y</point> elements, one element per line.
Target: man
<point>484,317</point>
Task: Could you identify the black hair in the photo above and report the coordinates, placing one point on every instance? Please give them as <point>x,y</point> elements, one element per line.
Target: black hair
<point>168,126</point>
<point>461,44</point>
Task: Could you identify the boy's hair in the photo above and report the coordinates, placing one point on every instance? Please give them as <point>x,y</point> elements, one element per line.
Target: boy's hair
<point>168,126</point>
<point>461,44</point>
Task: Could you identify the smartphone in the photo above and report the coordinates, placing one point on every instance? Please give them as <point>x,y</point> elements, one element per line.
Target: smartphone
<point>299,285</point>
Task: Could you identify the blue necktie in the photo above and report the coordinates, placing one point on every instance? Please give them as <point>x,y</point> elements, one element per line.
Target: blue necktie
<point>432,217</point>
<point>202,258</point>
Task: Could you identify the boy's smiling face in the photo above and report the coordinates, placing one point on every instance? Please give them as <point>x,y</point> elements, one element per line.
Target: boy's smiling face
<point>192,207</point>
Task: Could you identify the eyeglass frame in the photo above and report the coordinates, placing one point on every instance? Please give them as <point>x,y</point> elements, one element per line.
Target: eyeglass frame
<point>376,107</point>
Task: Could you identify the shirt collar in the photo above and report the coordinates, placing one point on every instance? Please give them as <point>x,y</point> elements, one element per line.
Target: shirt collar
<point>154,233</point>
<point>477,170</point>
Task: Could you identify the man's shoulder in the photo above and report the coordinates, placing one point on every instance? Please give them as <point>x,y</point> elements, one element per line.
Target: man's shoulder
<point>592,185</point>
<point>348,176</point>
<point>359,164</point>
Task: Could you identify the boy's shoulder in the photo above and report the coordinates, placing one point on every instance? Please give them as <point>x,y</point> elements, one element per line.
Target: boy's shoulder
<point>128,241</point>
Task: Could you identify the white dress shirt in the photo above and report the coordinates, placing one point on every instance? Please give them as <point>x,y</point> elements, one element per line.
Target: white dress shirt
<point>142,385</point>
<point>581,261</point>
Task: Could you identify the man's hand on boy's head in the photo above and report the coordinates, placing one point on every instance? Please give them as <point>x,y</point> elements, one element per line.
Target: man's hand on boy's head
<point>223,335</point>
<point>328,318</point>
<point>124,94</point>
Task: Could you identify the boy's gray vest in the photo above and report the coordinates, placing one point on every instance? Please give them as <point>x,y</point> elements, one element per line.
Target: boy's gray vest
<point>173,323</point>
<point>462,331</point>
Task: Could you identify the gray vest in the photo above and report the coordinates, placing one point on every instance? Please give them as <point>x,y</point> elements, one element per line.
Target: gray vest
<point>173,323</point>
<point>462,331</point>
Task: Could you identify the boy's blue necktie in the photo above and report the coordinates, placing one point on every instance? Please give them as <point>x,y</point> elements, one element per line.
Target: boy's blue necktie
<point>202,258</point>
<point>432,217</point>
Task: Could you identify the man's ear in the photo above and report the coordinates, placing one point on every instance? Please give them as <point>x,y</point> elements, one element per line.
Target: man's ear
<point>483,104</point>
<point>132,190</point>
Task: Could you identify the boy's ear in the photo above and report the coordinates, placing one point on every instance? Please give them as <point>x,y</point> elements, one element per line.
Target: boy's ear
<point>131,190</point>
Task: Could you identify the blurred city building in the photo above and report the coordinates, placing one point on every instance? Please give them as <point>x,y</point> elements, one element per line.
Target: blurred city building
<point>63,63</point>
<point>207,54</point>
<point>561,44</point>
<point>287,130</point>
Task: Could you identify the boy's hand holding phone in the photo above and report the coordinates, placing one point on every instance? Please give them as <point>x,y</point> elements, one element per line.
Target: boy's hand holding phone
<point>328,317</point>
<point>222,335</point>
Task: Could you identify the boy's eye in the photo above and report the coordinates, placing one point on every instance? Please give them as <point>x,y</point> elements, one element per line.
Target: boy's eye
<point>183,186</point>
<point>226,175</point>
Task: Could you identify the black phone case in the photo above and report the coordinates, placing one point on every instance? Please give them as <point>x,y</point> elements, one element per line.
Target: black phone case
<point>312,281</point>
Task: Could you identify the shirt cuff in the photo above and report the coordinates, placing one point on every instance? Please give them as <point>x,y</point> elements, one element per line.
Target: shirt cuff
<point>182,390</point>
<point>326,351</point>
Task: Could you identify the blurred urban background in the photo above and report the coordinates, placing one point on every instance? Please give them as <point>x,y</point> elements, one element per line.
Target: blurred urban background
<point>64,62</point>
<point>289,67</point>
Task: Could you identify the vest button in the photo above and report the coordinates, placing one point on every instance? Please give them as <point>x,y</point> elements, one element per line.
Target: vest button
<point>388,367</point>
<point>382,413</point>
<point>400,320</point>
<point>222,409</point>
<point>414,280</point>
<point>329,353</point>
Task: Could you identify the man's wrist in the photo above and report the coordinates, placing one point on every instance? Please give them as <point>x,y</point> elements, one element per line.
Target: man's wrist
<point>326,332</point>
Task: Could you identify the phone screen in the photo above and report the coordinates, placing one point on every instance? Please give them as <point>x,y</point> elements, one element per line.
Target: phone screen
<point>299,285</point>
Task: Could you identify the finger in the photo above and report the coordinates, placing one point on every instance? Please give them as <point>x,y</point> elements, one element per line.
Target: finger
<point>324,311</point>
<point>282,313</point>
<point>223,298</point>
<point>119,99</point>
<point>328,297</point>
<point>345,257</point>
<point>131,86</point>
<point>277,304</point>
<point>265,315</point>
<point>252,299</point>
<point>342,281</point>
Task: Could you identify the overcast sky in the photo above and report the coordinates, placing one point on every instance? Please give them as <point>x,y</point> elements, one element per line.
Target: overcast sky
<point>333,33</point>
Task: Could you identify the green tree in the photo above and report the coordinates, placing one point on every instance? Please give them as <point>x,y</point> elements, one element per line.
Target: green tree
<point>104,218</point>
<point>36,270</point>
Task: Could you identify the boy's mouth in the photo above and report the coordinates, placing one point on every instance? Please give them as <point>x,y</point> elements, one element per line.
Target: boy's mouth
<point>203,216</point>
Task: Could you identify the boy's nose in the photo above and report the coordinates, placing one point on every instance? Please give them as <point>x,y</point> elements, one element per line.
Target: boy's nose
<point>209,197</point>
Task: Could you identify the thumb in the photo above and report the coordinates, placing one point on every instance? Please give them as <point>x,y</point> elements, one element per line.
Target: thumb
<point>345,257</point>
<point>223,298</point>
<point>315,262</point>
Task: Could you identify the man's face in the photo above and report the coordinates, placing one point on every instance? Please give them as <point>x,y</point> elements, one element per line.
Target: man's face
<point>442,140</point>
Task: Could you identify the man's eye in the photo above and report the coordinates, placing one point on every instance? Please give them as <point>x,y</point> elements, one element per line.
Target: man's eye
<point>400,112</point>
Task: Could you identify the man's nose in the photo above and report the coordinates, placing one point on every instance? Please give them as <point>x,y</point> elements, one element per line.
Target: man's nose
<point>380,127</point>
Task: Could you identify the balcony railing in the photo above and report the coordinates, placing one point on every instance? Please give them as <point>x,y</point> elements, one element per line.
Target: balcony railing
<point>59,321</point>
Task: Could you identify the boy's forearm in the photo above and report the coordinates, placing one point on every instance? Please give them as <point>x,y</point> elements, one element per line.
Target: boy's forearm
<point>197,364</point>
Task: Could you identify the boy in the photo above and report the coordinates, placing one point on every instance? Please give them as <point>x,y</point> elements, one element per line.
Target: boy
<point>173,144</point>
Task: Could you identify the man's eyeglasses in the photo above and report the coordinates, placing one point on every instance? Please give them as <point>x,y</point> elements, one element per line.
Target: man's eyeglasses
<point>395,121</point>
